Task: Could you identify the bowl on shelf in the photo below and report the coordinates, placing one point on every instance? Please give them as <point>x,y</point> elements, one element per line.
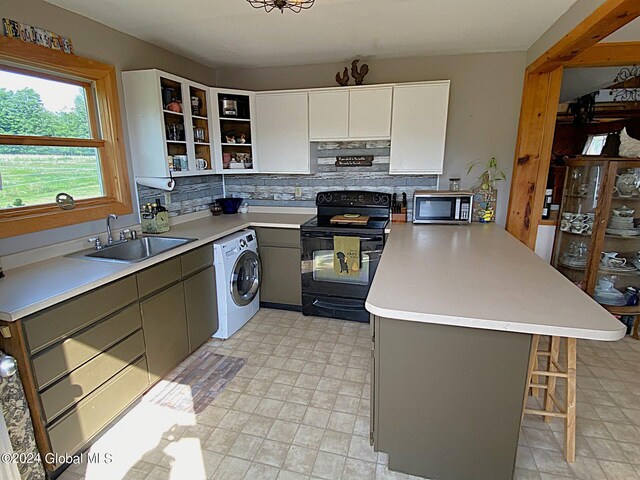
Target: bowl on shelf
<point>229,205</point>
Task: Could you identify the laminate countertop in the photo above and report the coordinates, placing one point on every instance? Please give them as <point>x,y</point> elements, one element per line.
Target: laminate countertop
<point>479,276</point>
<point>34,287</point>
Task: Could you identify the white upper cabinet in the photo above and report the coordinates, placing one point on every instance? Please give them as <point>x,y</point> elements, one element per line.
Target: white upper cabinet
<point>329,114</point>
<point>370,112</point>
<point>235,129</point>
<point>419,128</point>
<point>169,124</point>
<point>283,132</point>
<point>358,113</point>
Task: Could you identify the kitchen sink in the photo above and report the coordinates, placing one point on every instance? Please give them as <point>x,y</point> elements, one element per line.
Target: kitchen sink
<point>134,251</point>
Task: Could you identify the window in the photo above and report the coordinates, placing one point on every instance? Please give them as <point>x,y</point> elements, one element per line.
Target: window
<point>37,106</point>
<point>595,144</point>
<point>60,132</point>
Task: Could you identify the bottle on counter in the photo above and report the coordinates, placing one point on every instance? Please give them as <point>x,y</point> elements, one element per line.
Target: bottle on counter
<point>148,220</point>
<point>162,217</point>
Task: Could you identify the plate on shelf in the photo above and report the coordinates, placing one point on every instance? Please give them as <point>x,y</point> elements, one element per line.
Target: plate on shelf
<point>623,233</point>
<point>580,264</point>
<point>614,270</point>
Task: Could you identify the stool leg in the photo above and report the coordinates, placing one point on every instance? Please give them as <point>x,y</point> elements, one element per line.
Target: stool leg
<point>570,421</point>
<point>554,351</point>
<point>534,378</point>
<point>533,353</point>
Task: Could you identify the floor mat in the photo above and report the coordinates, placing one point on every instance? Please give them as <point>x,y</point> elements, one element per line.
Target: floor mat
<point>196,382</point>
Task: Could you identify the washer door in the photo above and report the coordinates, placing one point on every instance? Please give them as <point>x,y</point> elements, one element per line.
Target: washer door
<point>245,278</point>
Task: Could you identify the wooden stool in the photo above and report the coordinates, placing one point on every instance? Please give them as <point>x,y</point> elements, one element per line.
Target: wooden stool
<point>552,372</point>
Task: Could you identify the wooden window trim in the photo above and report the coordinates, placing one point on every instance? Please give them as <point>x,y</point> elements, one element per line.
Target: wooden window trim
<point>114,169</point>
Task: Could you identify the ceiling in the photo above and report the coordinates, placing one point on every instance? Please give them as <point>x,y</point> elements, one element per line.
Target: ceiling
<point>577,82</point>
<point>232,33</point>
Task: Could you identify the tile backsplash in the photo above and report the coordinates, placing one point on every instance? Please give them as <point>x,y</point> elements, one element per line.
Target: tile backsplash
<point>279,190</point>
<point>190,194</point>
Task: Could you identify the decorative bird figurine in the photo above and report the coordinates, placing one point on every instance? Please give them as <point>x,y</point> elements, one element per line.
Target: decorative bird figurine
<point>343,80</point>
<point>358,76</point>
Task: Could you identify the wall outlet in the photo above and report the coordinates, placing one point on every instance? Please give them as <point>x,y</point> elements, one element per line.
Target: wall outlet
<point>298,193</point>
<point>167,198</point>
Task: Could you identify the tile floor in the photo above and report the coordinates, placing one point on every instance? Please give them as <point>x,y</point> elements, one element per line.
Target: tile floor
<point>299,409</point>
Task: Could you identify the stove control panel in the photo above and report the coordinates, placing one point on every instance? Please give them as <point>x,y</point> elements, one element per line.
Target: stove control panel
<point>353,199</point>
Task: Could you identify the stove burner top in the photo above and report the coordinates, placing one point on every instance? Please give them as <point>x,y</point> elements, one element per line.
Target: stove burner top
<point>324,222</point>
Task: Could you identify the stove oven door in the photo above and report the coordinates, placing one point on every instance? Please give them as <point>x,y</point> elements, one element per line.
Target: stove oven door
<point>326,293</point>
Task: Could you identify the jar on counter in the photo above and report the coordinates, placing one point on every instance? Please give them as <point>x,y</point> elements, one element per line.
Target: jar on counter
<point>454,184</point>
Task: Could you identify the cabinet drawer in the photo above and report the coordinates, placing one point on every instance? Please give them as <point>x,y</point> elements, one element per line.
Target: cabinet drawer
<point>46,328</point>
<point>197,259</point>
<point>74,351</point>
<point>159,276</point>
<point>95,412</point>
<point>84,380</point>
<point>278,237</point>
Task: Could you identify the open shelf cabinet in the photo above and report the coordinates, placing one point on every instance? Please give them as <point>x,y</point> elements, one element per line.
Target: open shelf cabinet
<point>234,131</point>
<point>169,124</point>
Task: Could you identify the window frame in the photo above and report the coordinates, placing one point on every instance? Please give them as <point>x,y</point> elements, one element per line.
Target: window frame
<point>103,108</point>
<point>589,142</point>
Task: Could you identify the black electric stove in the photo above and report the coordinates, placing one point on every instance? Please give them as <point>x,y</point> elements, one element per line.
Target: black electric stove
<point>324,292</point>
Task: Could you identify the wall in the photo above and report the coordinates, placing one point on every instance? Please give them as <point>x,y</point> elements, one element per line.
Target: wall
<point>99,42</point>
<point>484,106</point>
<point>191,194</point>
<point>279,190</point>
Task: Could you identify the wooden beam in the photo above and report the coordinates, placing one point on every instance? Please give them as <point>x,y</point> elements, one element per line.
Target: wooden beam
<point>533,154</point>
<point>605,20</point>
<point>606,55</point>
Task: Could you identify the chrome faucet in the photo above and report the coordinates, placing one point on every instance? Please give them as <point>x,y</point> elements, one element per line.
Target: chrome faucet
<point>112,216</point>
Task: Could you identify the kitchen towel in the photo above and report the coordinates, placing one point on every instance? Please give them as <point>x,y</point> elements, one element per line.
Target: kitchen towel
<point>346,256</point>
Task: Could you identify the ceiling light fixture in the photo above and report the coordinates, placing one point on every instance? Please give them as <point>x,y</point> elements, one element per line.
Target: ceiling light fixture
<point>296,6</point>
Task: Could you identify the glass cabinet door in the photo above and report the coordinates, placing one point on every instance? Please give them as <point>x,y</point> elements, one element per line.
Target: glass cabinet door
<point>575,237</point>
<point>619,265</point>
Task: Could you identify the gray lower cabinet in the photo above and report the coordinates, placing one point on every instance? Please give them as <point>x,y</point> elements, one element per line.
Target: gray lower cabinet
<point>164,323</point>
<point>280,257</point>
<point>92,356</point>
<point>201,306</point>
<point>446,401</point>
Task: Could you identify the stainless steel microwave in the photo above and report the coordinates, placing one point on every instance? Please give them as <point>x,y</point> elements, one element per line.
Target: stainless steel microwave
<point>442,206</point>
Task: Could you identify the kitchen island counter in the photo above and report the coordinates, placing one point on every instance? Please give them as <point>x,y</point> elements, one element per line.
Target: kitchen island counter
<point>34,287</point>
<point>454,310</point>
<point>479,276</point>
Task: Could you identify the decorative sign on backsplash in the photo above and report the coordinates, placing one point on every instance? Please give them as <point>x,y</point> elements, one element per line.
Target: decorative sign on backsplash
<point>36,35</point>
<point>361,161</point>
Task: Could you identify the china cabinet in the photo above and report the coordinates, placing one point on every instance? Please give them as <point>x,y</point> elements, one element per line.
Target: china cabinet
<point>597,244</point>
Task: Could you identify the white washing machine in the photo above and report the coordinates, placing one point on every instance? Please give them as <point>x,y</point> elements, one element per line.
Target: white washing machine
<point>238,275</point>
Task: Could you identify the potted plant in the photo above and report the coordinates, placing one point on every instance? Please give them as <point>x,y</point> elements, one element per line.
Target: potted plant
<point>485,192</point>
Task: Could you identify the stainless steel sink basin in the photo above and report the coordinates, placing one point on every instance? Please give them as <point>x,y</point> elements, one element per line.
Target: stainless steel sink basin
<point>134,251</point>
